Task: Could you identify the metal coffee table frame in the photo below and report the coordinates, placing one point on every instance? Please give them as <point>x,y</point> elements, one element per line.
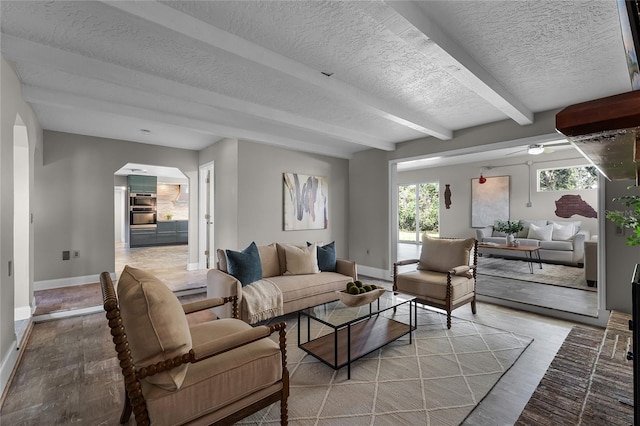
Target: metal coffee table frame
<point>357,331</point>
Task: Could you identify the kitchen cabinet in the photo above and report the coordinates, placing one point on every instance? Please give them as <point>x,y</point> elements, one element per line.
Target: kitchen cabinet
<point>167,232</point>
<point>142,184</point>
<point>182,231</point>
<point>142,237</point>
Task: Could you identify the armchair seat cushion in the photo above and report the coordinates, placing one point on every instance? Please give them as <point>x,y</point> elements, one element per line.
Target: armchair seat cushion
<point>217,382</point>
<point>434,284</point>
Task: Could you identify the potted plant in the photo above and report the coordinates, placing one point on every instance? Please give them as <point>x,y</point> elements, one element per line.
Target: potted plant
<point>509,227</point>
<point>169,216</point>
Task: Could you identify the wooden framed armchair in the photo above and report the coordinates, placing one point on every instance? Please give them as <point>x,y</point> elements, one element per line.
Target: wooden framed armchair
<point>445,276</point>
<point>215,372</point>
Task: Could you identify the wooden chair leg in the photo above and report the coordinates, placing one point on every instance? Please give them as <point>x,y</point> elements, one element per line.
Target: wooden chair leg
<point>126,410</point>
<point>284,414</point>
<point>449,319</point>
<point>473,306</point>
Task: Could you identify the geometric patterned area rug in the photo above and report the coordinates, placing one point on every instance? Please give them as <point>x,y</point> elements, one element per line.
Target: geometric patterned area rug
<point>552,274</point>
<point>437,380</point>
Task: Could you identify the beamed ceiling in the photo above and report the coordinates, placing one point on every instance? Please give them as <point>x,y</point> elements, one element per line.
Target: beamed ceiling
<point>329,77</point>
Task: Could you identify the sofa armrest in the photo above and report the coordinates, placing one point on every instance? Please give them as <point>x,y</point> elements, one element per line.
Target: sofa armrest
<point>347,267</point>
<point>221,284</point>
<point>482,233</point>
<point>578,245</point>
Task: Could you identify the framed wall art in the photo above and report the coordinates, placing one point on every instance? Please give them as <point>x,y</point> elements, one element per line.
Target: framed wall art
<point>306,199</point>
<point>489,201</point>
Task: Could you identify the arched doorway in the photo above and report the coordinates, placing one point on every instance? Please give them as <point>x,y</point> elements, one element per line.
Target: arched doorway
<point>21,227</point>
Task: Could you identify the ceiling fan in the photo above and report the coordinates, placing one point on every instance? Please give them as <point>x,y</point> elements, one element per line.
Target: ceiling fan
<point>538,148</point>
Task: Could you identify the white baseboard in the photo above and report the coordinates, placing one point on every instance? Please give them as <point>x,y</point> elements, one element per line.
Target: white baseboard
<point>68,314</point>
<point>9,360</point>
<point>193,266</point>
<point>369,271</point>
<point>68,282</point>
<point>22,313</point>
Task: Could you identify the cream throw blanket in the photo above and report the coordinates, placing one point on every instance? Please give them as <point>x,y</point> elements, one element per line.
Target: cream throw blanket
<point>261,300</point>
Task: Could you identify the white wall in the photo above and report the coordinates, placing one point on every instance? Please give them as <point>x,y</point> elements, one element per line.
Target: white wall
<point>456,221</point>
<point>74,202</point>
<point>12,105</point>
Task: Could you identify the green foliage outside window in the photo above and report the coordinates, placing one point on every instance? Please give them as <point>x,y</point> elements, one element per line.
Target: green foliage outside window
<point>429,207</point>
<point>567,179</point>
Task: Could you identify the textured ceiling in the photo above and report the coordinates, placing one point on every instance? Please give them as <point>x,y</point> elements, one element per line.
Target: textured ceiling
<point>194,72</point>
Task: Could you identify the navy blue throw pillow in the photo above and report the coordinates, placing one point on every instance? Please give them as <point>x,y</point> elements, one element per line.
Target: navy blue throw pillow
<point>245,265</point>
<point>326,257</point>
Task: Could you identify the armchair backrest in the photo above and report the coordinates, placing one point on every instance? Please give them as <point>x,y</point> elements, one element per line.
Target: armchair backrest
<point>444,254</point>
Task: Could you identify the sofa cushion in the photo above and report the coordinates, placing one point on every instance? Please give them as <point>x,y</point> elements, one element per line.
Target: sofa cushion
<point>563,227</point>
<point>155,324</point>
<point>444,254</point>
<point>563,231</point>
<point>557,245</point>
<point>542,233</point>
<point>296,287</point>
<point>269,260</point>
<point>301,260</point>
<point>245,265</point>
<point>326,256</point>
<point>526,223</point>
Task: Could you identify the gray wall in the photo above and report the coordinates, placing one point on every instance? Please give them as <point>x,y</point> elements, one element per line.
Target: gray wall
<point>73,203</point>
<point>456,221</point>
<point>249,194</point>
<point>224,154</point>
<point>369,181</point>
<point>620,258</point>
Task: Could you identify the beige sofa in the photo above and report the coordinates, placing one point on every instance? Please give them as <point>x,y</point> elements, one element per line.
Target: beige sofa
<point>298,291</point>
<point>566,249</point>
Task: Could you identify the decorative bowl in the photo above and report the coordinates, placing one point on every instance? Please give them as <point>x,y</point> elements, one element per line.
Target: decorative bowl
<point>353,300</point>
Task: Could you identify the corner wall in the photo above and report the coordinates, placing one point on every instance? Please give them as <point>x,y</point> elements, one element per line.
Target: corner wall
<point>12,104</point>
<point>620,258</point>
<point>369,180</point>
<point>249,194</point>
<point>74,208</point>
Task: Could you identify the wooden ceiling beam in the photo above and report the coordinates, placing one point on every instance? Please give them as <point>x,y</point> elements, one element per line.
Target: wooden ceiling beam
<point>613,112</point>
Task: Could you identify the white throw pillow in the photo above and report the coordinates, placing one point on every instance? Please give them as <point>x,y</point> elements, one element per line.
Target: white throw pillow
<point>563,231</point>
<point>542,233</point>
<point>301,260</point>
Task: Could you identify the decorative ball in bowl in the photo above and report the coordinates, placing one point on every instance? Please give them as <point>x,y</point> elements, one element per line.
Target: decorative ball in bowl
<point>359,294</point>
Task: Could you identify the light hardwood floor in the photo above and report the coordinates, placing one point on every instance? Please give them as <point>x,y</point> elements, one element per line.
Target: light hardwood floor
<point>73,375</point>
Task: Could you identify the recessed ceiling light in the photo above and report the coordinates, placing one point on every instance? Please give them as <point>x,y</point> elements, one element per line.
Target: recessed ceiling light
<point>145,131</point>
<point>139,170</point>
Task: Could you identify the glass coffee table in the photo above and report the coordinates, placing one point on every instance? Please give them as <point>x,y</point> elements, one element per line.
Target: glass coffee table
<point>356,331</point>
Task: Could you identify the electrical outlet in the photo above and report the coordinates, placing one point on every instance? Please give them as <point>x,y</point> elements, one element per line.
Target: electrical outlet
<point>76,253</point>
<point>66,255</point>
